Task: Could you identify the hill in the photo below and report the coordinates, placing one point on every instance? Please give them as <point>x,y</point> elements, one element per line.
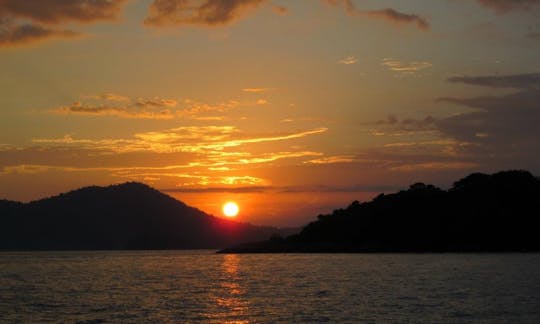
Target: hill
<point>126,216</point>
<point>498,212</point>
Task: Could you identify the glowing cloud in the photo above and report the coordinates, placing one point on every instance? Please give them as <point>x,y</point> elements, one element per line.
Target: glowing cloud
<point>405,67</point>
<point>348,60</point>
<point>258,90</point>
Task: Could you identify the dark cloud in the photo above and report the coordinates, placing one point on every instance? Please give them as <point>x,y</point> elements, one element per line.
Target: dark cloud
<point>408,124</point>
<point>388,14</point>
<point>519,81</point>
<point>24,22</point>
<point>502,126</point>
<point>60,11</point>
<point>506,131</point>
<point>504,6</point>
<point>394,16</point>
<point>12,35</point>
<point>120,106</point>
<point>506,122</point>
<point>191,12</point>
<point>500,131</point>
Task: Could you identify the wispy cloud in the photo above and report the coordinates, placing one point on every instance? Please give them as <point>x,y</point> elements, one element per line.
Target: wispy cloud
<point>415,167</point>
<point>207,155</point>
<point>405,67</point>
<point>111,104</point>
<point>505,6</point>
<point>519,81</point>
<point>387,14</point>
<point>204,13</point>
<point>348,60</point>
<point>59,11</point>
<point>258,90</point>
<point>397,17</point>
<point>15,35</point>
<point>201,139</point>
<point>332,159</point>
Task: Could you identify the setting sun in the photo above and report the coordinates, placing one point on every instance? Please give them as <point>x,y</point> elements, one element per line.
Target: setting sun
<point>230,209</point>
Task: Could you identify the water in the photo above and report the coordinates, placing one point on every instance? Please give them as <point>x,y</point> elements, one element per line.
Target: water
<point>200,286</point>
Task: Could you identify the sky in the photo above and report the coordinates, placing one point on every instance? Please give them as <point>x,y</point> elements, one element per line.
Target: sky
<point>290,108</point>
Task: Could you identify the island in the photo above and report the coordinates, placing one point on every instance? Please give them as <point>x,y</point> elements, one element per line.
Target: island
<point>480,213</point>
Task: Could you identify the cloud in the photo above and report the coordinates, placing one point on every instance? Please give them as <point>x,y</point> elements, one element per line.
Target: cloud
<point>505,6</point>
<point>415,167</point>
<point>405,67</point>
<point>155,102</point>
<point>15,35</point>
<point>406,126</point>
<point>188,139</point>
<point>200,155</point>
<point>60,11</point>
<point>25,22</point>
<point>388,14</point>
<point>519,81</point>
<point>78,108</point>
<point>332,159</point>
<point>397,17</point>
<point>258,90</point>
<point>110,97</point>
<point>503,128</point>
<point>288,189</point>
<point>111,104</point>
<point>348,60</point>
<point>280,10</point>
<point>120,106</point>
<point>203,13</point>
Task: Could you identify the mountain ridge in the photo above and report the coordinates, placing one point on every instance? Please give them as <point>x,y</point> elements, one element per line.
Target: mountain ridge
<point>130,215</point>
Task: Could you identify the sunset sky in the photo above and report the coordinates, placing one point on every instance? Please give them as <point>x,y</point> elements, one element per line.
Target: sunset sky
<point>289,108</point>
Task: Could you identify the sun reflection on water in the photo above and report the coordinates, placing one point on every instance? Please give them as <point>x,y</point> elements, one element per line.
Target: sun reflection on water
<point>230,297</point>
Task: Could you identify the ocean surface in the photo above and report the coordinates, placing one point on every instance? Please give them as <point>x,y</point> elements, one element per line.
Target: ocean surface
<point>200,286</point>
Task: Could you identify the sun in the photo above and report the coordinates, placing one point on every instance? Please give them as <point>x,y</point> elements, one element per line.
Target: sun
<point>230,209</point>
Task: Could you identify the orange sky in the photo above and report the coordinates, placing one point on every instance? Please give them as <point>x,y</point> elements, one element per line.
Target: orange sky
<point>290,108</point>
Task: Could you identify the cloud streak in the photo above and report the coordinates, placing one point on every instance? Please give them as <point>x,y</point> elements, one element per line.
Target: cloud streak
<point>505,6</point>
<point>60,11</point>
<point>196,139</point>
<point>348,60</point>
<point>387,14</point>
<point>405,67</point>
<point>202,13</point>
<point>519,81</point>
<point>204,155</point>
<point>16,35</point>
<point>116,105</point>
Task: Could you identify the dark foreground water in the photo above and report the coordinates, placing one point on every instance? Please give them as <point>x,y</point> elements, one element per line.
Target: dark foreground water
<point>200,286</point>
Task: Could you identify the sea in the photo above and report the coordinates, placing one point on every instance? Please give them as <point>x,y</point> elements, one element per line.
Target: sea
<point>205,287</point>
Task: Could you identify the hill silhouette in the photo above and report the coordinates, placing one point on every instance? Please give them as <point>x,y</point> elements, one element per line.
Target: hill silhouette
<point>498,212</point>
<point>126,216</point>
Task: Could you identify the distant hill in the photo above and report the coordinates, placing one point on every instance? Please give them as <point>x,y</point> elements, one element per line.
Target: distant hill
<point>499,212</point>
<point>126,216</point>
